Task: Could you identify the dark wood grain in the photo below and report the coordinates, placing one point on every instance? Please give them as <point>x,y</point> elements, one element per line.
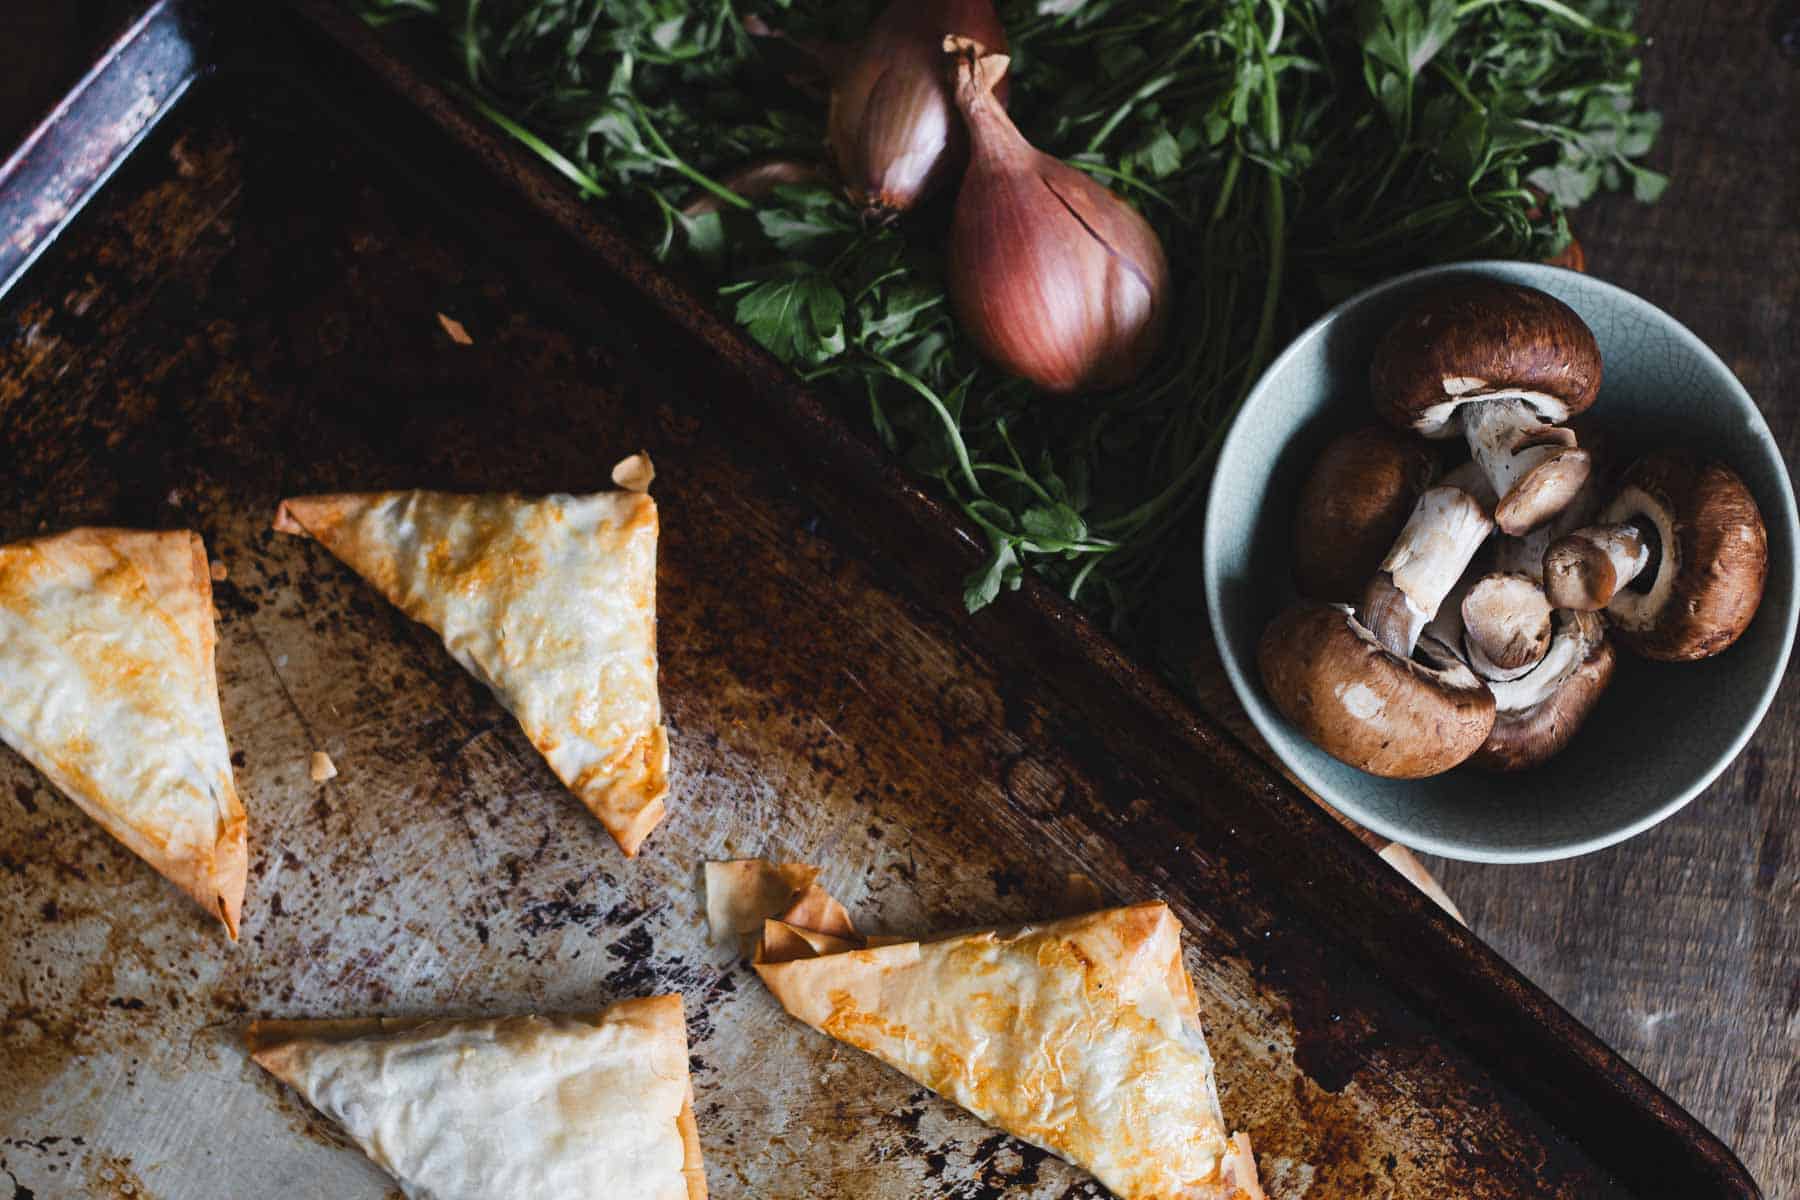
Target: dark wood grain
<point>1682,946</point>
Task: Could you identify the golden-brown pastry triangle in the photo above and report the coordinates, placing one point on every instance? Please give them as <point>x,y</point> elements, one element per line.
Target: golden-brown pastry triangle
<point>1082,1036</point>
<point>550,601</point>
<point>554,1108</point>
<point>107,687</point>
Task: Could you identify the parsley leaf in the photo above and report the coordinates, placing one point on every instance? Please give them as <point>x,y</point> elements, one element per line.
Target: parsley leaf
<point>799,320</point>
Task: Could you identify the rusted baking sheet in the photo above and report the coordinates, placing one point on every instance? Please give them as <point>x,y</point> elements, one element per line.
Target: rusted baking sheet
<point>251,310</point>
<point>49,176</point>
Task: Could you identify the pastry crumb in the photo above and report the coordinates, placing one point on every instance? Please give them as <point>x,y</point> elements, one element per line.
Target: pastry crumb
<point>634,474</point>
<point>322,767</point>
<point>455,329</point>
<point>219,572</point>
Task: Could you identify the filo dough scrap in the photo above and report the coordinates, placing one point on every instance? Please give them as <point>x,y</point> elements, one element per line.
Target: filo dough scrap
<point>550,601</point>
<point>552,1108</point>
<point>107,687</point>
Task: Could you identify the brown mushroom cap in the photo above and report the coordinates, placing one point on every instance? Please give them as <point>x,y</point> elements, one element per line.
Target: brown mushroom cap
<point>1480,340</point>
<point>1352,507</point>
<point>1544,491</point>
<point>1525,554</point>
<point>1714,558</point>
<point>1376,711</point>
<point>1526,736</point>
<point>1585,569</point>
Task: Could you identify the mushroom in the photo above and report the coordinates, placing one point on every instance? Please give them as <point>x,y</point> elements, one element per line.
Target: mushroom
<point>1678,560</point>
<point>1354,688</point>
<point>1506,625</point>
<point>1472,479</point>
<point>1538,713</point>
<point>1352,506</point>
<point>1445,530</point>
<point>1378,711</point>
<point>1585,569</point>
<point>1524,554</point>
<point>1505,366</point>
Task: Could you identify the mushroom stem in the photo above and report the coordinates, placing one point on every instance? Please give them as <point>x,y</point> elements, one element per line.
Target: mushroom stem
<point>1535,469</point>
<point>1445,530</point>
<point>1471,478</point>
<point>1586,569</point>
<point>1506,626</point>
<point>1447,626</point>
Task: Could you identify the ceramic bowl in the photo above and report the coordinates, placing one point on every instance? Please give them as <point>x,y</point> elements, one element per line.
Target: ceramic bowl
<point>1662,732</point>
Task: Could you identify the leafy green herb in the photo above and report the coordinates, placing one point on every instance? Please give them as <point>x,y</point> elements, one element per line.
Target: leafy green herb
<point>1288,152</point>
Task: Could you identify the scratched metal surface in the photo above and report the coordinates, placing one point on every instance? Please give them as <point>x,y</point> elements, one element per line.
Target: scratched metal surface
<point>250,311</point>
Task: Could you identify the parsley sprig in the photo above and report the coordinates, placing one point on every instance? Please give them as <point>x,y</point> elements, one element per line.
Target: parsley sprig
<point>1288,152</point>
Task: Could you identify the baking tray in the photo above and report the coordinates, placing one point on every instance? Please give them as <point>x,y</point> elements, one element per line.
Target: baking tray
<point>248,310</point>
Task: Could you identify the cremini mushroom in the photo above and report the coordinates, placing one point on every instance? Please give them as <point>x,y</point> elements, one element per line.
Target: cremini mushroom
<point>1446,528</point>
<point>1506,625</point>
<point>1380,712</point>
<point>1354,687</point>
<point>1352,506</point>
<point>1537,713</point>
<point>1524,555</point>
<point>1677,560</point>
<point>1472,479</point>
<point>1505,366</point>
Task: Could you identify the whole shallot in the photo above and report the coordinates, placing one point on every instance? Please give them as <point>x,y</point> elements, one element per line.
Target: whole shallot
<point>1057,279</point>
<point>892,130</point>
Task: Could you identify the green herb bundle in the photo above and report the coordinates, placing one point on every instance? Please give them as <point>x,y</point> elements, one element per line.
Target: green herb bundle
<point>1287,152</point>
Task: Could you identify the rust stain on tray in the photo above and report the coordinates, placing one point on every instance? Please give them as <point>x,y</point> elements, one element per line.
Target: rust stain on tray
<point>110,1177</point>
<point>232,346</point>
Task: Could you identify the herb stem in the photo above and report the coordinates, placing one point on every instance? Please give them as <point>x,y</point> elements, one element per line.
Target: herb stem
<point>581,179</point>
<point>951,429</point>
<point>1556,9</point>
<point>675,162</point>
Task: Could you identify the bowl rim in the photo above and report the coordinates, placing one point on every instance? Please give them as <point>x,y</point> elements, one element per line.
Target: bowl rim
<point>1247,685</point>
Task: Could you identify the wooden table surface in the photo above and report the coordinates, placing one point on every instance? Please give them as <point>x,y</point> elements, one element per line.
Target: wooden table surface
<point>1680,947</point>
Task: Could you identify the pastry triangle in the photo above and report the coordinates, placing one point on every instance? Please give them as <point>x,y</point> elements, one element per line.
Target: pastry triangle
<point>554,1108</point>
<point>107,687</point>
<point>550,601</point>
<point>1081,1036</point>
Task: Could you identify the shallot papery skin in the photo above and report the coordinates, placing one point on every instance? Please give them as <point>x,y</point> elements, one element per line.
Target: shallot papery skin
<point>892,127</point>
<point>1057,279</point>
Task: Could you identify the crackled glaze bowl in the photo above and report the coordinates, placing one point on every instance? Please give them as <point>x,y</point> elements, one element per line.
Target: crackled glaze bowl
<point>1662,732</point>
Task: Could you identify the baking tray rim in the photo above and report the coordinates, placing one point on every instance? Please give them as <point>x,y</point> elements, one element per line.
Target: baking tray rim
<point>855,460</point>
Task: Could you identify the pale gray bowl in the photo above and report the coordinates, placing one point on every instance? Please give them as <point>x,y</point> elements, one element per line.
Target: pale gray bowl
<point>1662,732</point>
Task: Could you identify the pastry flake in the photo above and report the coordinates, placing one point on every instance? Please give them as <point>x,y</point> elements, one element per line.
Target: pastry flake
<point>741,893</point>
<point>107,686</point>
<point>1081,1036</point>
<point>554,1108</point>
<point>550,601</point>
